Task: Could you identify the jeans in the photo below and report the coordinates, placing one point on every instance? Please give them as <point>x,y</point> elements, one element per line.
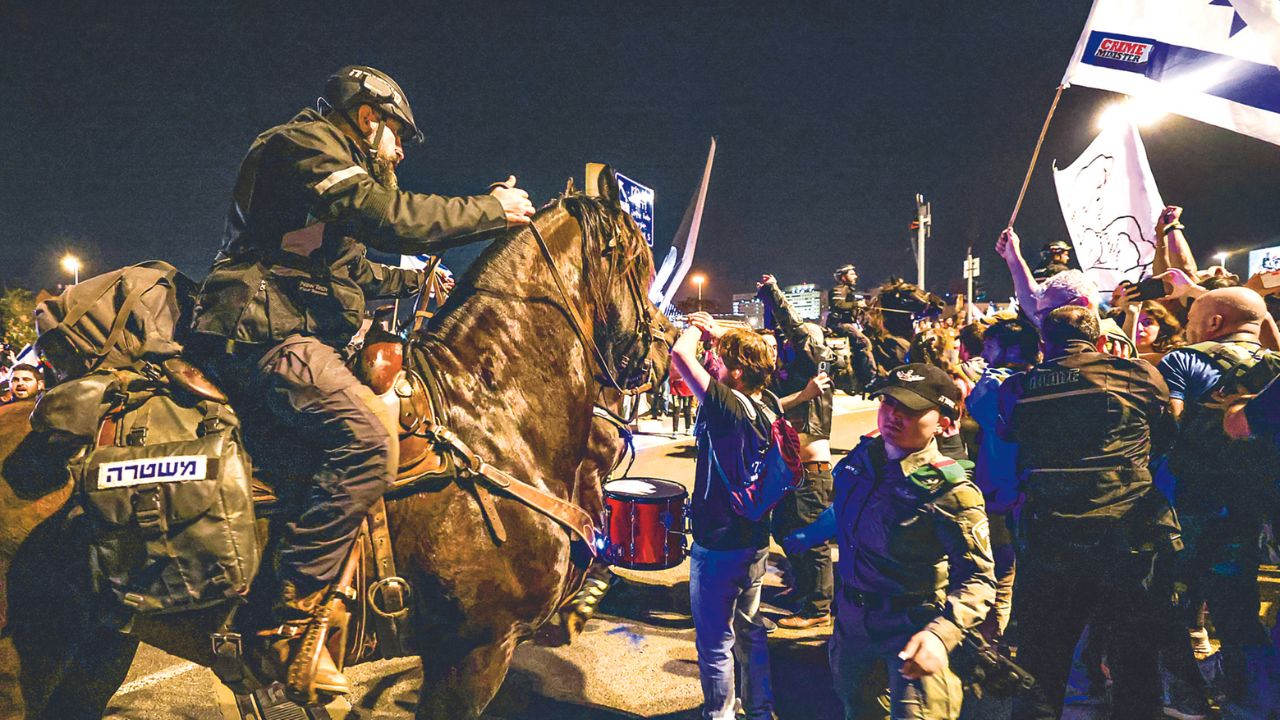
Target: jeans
<point>724,591</point>
<point>1220,567</point>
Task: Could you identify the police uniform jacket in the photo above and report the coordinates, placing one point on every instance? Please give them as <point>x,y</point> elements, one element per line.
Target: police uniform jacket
<point>304,207</point>
<point>914,527</point>
<point>1085,423</point>
<point>842,308</point>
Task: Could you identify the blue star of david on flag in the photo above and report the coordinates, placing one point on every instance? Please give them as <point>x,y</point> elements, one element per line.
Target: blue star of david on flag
<point>1237,22</point>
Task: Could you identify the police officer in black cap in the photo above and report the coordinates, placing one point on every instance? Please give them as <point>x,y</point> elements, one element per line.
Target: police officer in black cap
<point>285,295</point>
<point>1093,532</point>
<point>915,569</point>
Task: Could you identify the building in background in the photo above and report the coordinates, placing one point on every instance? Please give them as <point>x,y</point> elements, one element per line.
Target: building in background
<point>808,300</point>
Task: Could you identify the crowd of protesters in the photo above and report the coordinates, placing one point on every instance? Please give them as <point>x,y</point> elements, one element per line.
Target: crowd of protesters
<point>1086,481</point>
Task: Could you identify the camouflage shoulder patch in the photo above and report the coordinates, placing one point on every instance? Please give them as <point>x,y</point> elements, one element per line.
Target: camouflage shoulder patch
<point>941,473</point>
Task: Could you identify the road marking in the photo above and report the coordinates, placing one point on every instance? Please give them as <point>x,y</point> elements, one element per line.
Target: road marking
<point>156,678</point>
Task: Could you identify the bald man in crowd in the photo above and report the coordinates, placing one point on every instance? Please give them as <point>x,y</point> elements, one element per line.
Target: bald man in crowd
<point>1224,487</point>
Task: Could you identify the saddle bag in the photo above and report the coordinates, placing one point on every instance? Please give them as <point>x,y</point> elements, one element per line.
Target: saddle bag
<point>166,489</point>
<point>115,319</point>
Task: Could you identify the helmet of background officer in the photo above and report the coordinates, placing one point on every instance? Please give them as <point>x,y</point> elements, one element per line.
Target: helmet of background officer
<point>26,381</point>
<point>846,274</point>
<point>1072,287</point>
<point>1056,251</point>
<point>1226,311</point>
<point>917,402</point>
<point>375,110</point>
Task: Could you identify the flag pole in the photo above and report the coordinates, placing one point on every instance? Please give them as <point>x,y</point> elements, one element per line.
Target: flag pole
<point>1035,155</point>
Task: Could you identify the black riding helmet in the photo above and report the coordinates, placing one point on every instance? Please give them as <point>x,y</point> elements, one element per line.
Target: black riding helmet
<point>356,85</point>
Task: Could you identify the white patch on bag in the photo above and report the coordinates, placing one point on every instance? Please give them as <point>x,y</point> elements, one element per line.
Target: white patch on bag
<point>144,471</point>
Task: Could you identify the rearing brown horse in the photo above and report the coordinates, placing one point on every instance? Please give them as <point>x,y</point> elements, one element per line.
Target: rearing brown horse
<point>518,384</point>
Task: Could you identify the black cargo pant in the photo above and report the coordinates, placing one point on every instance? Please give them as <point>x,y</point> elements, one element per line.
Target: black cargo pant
<point>812,568</point>
<point>1220,567</point>
<point>1059,588</point>
<point>304,386</point>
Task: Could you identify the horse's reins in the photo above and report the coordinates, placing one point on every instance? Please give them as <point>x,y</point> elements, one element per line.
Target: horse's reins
<point>624,433</point>
<point>579,325</point>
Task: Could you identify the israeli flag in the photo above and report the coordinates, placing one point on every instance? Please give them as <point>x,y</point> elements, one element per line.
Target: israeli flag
<point>414,262</point>
<point>1217,61</point>
<point>28,356</point>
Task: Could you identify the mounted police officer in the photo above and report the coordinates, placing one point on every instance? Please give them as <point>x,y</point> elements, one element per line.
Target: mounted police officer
<point>846,305</point>
<point>915,567</point>
<point>844,317</point>
<point>287,291</point>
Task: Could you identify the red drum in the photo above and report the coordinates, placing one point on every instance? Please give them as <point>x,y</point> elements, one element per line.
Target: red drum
<point>645,523</point>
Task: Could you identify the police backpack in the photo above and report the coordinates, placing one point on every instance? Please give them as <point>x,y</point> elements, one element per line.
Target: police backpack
<point>165,490</point>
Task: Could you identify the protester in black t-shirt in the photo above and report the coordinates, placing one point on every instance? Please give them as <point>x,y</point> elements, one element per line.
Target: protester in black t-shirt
<point>727,565</point>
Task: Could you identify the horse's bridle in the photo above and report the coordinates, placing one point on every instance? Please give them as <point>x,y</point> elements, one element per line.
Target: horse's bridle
<point>646,320</point>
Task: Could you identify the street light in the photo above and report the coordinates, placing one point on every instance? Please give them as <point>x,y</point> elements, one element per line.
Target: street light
<point>71,264</point>
<point>1221,258</point>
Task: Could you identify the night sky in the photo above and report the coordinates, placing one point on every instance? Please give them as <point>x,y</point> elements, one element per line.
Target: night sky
<point>125,123</point>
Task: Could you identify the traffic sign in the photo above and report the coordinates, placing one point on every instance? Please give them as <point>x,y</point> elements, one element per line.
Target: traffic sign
<point>972,267</point>
<point>638,200</point>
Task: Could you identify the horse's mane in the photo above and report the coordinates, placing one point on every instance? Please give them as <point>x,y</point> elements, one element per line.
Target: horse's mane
<point>605,228</point>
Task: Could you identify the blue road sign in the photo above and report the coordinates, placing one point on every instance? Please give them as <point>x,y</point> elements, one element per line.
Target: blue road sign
<point>638,200</point>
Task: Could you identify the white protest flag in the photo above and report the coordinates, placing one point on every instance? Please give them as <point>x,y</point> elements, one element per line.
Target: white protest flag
<point>1217,61</point>
<point>1110,202</point>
